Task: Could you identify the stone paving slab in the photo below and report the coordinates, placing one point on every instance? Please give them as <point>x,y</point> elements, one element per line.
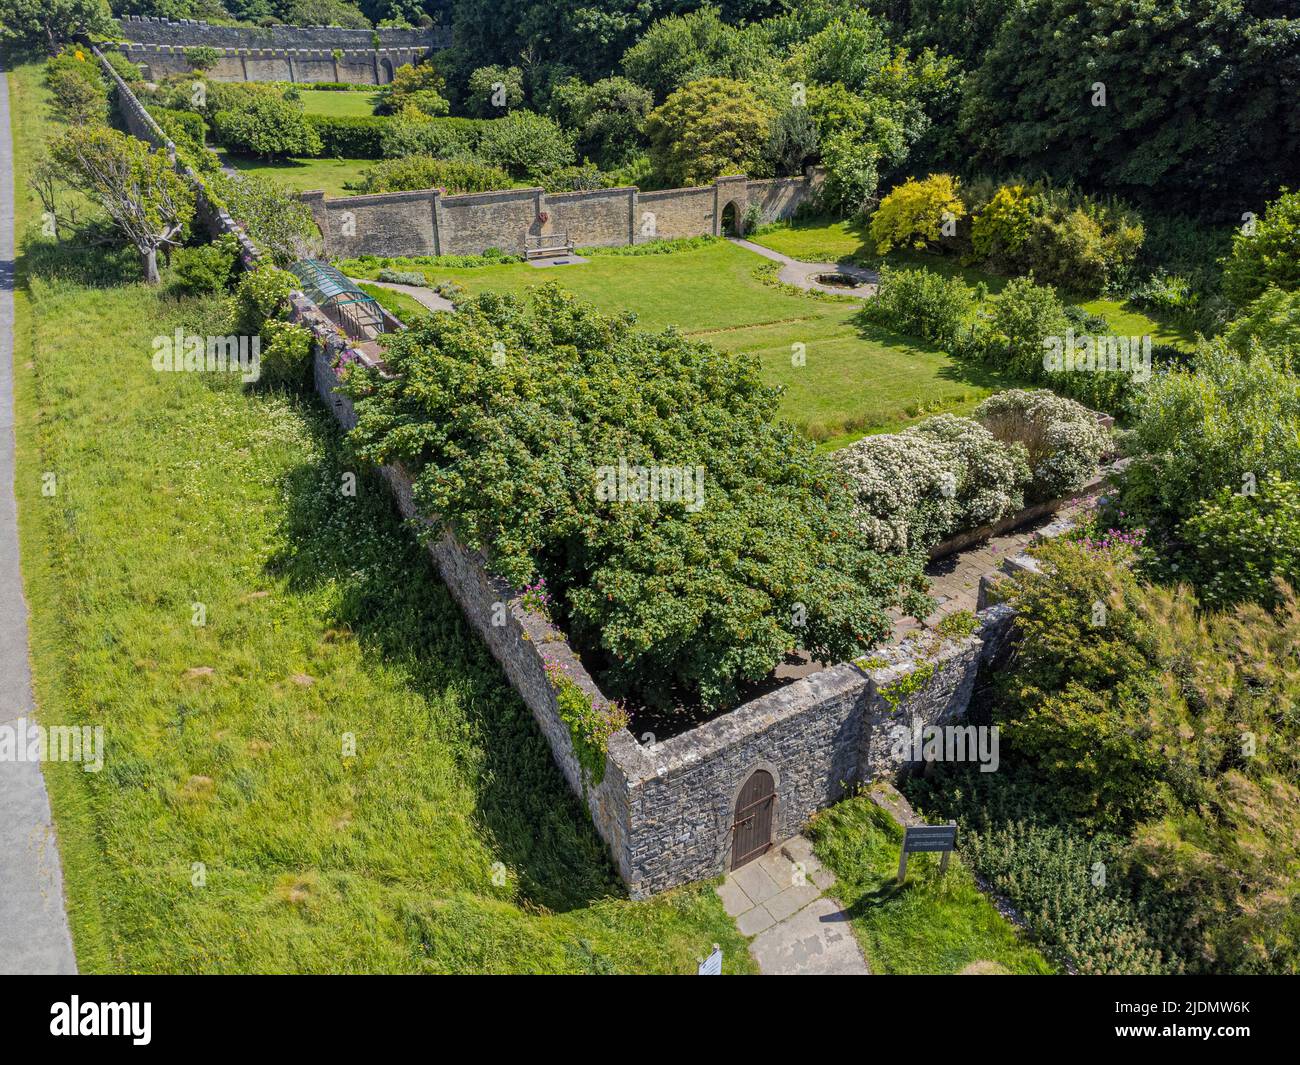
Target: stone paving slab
<point>778,899</point>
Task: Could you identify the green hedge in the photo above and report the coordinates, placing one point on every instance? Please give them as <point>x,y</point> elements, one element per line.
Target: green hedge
<point>350,137</point>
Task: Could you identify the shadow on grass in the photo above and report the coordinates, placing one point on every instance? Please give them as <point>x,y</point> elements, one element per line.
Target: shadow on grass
<point>396,606</point>
<point>90,264</point>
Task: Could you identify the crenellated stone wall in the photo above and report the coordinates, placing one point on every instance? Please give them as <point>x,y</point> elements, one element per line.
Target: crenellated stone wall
<point>303,54</point>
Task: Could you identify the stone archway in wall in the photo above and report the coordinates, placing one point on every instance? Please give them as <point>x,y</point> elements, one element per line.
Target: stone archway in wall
<point>730,219</point>
<point>751,825</point>
<point>385,70</point>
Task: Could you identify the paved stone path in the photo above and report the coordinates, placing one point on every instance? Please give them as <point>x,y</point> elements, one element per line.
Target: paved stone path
<point>801,274</point>
<point>33,927</point>
<point>424,296</point>
<point>798,931</point>
<point>955,580</point>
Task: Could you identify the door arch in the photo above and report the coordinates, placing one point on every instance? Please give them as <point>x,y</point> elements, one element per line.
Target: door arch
<point>730,222</point>
<point>385,70</point>
<point>751,829</point>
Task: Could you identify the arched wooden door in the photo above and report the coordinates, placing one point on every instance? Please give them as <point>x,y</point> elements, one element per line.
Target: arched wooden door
<point>751,834</point>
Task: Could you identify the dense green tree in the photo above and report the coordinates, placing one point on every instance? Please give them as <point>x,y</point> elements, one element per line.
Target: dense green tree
<point>605,118</point>
<point>1265,251</point>
<point>526,145</point>
<point>49,22</point>
<point>1190,103</point>
<point>708,127</point>
<point>685,48</point>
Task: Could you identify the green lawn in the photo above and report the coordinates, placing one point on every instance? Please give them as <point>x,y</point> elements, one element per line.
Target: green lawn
<point>849,383</point>
<point>817,241</point>
<point>337,104</point>
<point>228,831</point>
<point>929,924</point>
<point>305,175</point>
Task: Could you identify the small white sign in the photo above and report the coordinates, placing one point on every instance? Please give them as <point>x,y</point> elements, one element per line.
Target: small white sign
<point>712,965</point>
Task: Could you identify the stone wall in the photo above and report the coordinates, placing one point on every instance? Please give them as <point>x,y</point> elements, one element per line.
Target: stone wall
<point>302,54</point>
<point>428,222</point>
<point>190,33</point>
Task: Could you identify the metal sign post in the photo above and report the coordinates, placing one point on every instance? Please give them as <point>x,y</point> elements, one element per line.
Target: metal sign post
<point>927,838</point>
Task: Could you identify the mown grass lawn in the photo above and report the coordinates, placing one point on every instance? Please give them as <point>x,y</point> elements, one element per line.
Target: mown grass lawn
<point>929,924</point>
<point>850,380</point>
<point>229,830</point>
<point>305,175</point>
<point>338,104</point>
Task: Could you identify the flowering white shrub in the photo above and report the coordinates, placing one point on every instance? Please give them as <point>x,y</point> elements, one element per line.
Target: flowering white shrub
<point>932,480</point>
<point>1063,438</point>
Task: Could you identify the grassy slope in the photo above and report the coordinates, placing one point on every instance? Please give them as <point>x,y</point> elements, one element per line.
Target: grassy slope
<point>931,924</point>
<point>877,381</point>
<point>181,488</point>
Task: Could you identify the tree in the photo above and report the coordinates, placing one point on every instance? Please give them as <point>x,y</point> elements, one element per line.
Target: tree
<point>685,48</point>
<point>527,145</point>
<point>605,118</point>
<point>272,214</point>
<point>494,90</point>
<point>147,201</point>
<point>419,84</point>
<point>325,13</point>
<point>50,22</point>
<point>1265,253</point>
<point>917,213</point>
<point>1189,104</point>
<point>709,127</point>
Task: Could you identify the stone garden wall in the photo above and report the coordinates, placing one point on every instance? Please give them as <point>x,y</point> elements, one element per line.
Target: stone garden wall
<point>277,53</point>
<point>665,809</point>
<point>428,222</point>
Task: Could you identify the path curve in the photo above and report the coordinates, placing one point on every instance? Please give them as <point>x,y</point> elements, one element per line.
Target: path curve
<point>801,274</point>
<point>423,296</point>
<point>34,937</point>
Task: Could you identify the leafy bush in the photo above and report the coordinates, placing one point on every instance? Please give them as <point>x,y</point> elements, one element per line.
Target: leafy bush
<point>684,600</point>
<point>123,67</point>
<point>1083,247</point>
<point>286,354</point>
<point>921,303</point>
<point>350,136</point>
<point>203,57</point>
<point>1022,318</point>
<point>605,118</point>
<point>1000,229</point>
<point>268,127</point>
<point>403,277</point>
<point>1268,255</point>
<point>415,85</point>
<point>525,145</point>
<point>189,133</point>
<point>208,268</point>
<point>932,480</point>
<point>1271,320</point>
<point>915,214</point>
<point>78,92</point>
<point>1239,545</point>
<point>261,296</point>
<point>1246,417</point>
<point>442,138</point>
<point>1063,439</point>
<point>422,172</point>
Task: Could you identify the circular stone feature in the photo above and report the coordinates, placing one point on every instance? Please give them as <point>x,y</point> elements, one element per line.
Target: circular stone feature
<point>837,280</point>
